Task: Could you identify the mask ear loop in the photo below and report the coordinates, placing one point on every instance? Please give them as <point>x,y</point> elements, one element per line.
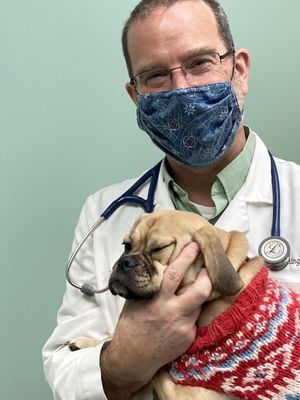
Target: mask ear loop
<point>233,65</point>
<point>232,76</point>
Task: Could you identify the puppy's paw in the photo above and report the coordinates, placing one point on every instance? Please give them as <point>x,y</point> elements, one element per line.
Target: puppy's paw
<point>82,342</point>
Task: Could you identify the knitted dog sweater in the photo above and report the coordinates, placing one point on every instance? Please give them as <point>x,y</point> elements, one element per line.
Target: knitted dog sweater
<point>251,350</point>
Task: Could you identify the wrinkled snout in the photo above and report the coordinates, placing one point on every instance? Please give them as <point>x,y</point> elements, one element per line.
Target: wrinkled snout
<point>127,262</point>
<point>132,277</point>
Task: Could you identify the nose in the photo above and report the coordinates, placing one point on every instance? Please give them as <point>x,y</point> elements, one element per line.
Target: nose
<point>127,262</point>
<point>178,78</point>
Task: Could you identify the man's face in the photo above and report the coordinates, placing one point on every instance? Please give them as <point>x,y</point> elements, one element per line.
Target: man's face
<point>169,36</point>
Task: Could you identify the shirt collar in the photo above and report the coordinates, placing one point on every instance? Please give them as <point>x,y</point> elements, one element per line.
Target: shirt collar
<point>227,184</point>
<point>234,174</point>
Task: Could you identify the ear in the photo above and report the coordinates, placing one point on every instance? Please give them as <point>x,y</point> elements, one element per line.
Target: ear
<point>130,89</point>
<point>241,69</point>
<point>223,276</point>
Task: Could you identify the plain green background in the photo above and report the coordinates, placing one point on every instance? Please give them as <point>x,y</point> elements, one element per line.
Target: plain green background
<point>68,128</point>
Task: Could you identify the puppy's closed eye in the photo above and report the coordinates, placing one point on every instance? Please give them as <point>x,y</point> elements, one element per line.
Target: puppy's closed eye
<point>157,248</point>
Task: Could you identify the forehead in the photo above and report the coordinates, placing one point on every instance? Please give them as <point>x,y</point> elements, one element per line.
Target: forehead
<point>147,225</point>
<point>167,33</point>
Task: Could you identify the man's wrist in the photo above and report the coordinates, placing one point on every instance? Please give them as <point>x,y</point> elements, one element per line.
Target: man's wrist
<point>117,383</point>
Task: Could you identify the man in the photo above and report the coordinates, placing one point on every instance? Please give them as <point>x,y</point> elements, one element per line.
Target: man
<point>175,51</point>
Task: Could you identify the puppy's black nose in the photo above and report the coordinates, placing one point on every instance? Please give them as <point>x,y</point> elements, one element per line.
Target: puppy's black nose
<point>127,262</point>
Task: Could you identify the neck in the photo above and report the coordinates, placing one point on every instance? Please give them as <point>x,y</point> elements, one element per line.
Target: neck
<point>197,182</point>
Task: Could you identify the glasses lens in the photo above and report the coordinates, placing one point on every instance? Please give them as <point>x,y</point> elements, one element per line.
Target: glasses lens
<point>154,79</point>
<point>201,65</point>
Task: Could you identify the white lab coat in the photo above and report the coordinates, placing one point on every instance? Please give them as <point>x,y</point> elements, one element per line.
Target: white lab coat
<point>76,375</point>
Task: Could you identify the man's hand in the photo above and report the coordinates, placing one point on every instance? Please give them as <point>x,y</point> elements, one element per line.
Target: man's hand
<point>151,333</point>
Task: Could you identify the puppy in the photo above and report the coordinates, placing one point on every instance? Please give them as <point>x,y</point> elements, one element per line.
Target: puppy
<point>237,351</point>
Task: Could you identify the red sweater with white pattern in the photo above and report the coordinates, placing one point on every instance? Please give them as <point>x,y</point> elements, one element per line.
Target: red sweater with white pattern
<point>252,350</point>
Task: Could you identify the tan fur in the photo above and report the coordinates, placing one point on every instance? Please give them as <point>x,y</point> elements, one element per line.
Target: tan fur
<point>155,241</point>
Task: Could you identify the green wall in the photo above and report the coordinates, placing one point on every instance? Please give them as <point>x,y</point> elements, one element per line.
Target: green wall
<point>67,128</point>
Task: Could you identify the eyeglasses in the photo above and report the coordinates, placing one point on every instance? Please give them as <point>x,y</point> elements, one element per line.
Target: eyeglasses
<point>197,71</point>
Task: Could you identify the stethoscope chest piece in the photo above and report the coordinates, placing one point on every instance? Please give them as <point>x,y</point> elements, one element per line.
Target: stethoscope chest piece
<point>276,252</point>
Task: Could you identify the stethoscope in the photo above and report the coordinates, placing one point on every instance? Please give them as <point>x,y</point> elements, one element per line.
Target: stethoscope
<point>274,249</point>
<point>127,197</point>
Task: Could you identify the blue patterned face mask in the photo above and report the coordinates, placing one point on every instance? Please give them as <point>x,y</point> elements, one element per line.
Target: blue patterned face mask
<point>195,126</point>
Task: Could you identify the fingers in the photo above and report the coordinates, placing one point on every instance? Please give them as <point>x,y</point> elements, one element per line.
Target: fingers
<point>175,271</point>
<point>197,293</point>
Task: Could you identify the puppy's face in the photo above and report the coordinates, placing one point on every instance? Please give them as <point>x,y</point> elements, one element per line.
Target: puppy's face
<point>154,241</point>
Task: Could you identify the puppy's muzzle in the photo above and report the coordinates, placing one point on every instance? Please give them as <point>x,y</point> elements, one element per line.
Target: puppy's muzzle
<point>126,263</point>
<point>131,277</point>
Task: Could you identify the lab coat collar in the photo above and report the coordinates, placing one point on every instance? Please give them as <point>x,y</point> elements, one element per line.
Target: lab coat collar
<point>258,185</point>
<point>256,191</point>
<point>162,199</point>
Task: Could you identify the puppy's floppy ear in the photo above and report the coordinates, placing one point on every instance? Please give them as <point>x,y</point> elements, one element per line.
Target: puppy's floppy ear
<point>224,278</point>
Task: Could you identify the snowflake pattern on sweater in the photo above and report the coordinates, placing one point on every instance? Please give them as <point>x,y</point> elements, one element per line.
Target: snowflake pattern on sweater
<point>252,350</point>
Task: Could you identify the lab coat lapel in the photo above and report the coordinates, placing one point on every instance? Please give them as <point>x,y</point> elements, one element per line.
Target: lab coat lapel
<point>256,191</point>
<point>162,197</point>
<point>235,217</point>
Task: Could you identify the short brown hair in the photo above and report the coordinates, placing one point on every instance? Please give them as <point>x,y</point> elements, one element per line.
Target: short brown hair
<point>144,7</point>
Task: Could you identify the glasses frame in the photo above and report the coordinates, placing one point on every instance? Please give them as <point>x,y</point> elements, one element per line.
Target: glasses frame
<point>221,57</point>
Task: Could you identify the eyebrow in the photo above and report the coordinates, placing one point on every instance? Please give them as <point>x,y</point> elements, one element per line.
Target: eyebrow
<point>185,56</point>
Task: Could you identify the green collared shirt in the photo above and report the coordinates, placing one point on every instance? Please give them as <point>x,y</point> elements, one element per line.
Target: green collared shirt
<point>227,184</point>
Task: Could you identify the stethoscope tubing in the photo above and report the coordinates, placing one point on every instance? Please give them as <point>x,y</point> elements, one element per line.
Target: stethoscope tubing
<point>85,288</point>
<point>127,197</point>
<point>275,230</point>
<point>130,197</point>
<point>148,206</point>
